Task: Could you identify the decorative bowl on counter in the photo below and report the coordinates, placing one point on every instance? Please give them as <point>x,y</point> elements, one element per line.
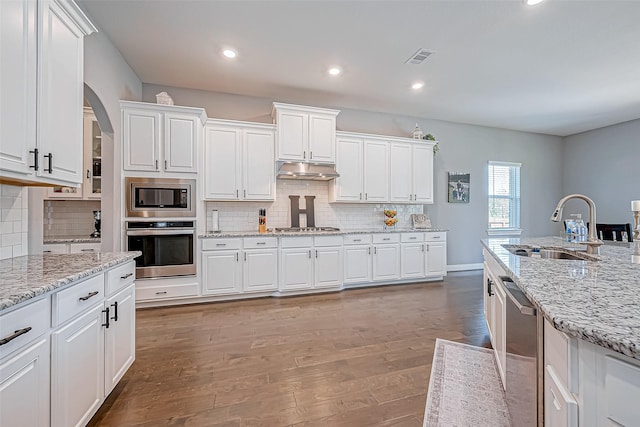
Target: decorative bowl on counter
<point>390,219</point>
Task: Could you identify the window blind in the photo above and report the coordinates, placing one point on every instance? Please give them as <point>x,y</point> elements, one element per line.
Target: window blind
<point>504,195</point>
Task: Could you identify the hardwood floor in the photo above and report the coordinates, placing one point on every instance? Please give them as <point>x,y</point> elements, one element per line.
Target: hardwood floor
<point>354,358</point>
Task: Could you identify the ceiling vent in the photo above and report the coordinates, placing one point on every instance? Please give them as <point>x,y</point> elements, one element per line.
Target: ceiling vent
<point>418,57</point>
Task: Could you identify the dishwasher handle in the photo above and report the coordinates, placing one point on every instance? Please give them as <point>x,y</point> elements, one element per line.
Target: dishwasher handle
<point>517,297</point>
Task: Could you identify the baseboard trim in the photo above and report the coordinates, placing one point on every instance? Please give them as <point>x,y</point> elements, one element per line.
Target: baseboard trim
<point>465,267</point>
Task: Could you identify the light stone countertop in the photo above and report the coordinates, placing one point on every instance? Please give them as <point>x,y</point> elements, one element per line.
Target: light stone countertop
<point>597,301</point>
<point>271,233</point>
<point>71,239</point>
<point>29,276</point>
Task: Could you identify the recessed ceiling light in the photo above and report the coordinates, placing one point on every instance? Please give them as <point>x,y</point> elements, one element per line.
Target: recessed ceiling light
<point>230,53</point>
<point>334,71</point>
<point>417,85</point>
<point>532,2</point>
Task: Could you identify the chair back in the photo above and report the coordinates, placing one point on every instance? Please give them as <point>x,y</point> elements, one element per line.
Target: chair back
<point>618,232</point>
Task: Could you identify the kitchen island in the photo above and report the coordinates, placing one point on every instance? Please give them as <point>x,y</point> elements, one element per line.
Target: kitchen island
<point>589,328</point>
<point>67,334</point>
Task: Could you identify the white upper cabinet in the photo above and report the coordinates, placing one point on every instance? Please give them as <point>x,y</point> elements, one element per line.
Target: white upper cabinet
<point>42,142</point>
<point>349,186</point>
<point>161,138</point>
<point>239,161</point>
<point>305,134</point>
<point>376,171</point>
<point>411,172</point>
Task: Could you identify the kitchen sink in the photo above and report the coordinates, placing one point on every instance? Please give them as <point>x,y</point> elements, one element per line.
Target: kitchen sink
<point>549,253</point>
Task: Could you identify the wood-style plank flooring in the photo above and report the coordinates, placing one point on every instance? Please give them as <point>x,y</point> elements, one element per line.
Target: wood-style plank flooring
<point>353,358</point>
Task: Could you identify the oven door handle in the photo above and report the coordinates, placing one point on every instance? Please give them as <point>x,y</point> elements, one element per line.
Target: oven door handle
<point>158,232</point>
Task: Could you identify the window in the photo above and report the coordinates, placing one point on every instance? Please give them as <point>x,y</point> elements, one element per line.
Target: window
<point>504,198</point>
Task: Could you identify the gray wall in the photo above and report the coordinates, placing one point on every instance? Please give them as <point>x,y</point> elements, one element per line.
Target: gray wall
<point>463,148</point>
<point>603,164</point>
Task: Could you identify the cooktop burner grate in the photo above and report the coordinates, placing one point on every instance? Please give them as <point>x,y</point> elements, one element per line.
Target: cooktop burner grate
<point>305,229</point>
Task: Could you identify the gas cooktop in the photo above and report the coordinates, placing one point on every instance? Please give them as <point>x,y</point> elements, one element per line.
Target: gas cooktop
<point>305,229</point>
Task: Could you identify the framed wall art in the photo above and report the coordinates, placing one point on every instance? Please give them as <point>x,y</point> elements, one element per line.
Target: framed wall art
<point>458,184</point>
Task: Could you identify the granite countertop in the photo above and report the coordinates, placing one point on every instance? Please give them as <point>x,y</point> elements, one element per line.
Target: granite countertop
<point>313,233</point>
<point>597,301</point>
<point>28,276</point>
<point>71,239</point>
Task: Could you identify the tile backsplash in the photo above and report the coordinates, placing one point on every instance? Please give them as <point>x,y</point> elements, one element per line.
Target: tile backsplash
<point>243,216</point>
<point>69,218</point>
<point>13,221</point>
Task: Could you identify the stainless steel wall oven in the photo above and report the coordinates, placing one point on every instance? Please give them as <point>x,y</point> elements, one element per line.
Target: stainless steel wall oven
<point>168,247</point>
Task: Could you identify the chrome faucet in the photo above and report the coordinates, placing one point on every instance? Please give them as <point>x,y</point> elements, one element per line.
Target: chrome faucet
<point>593,243</point>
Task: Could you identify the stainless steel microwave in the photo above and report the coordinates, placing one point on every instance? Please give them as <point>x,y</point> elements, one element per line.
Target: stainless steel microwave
<point>160,197</point>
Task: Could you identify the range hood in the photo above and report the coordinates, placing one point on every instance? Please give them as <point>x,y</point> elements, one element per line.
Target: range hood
<point>309,171</point>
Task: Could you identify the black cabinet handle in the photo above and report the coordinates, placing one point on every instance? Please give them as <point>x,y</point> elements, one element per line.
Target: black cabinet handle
<point>489,287</point>
<point>126,276</point>
<point>89,295</point>
<point>15,335</point>
<point>115,311</point>
<point>50,157</point>
<point>88,174</point>
<point>106,310</point>
<point>35,159</point>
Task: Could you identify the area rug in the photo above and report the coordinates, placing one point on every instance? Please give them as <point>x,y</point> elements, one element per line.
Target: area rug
<point>464,388</point>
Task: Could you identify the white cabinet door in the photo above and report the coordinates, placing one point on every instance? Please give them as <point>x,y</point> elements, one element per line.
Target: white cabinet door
<point>349,164</point>
<point>328,267</point>
<point>412,260</point>
<point>488,291</point>
<point>386,262</point>
<point>357,264</point>
<point>222,163</point>
<point>141,139</point>
<point>181,134</point>
<point>258,161</point>
<point>120,343</point>
<point>77,369</point>
<point>376,171</point>
<point>560,408</point>
<point>221,273</point>
<point>17,85</point>
<point>60,94</point>
<point>400,175</point>
<point>293,135</point>
<point>322,138</point>
<point>260,270</point>
<point>24,386</point>
<point>296,269</point>
<point>436,259</point>
<point>422,168</point>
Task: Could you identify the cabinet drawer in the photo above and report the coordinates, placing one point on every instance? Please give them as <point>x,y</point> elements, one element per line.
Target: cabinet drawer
<point>357,239</point>
<point>260,242</point>
<point>327,241</point>
<point>35,315</point>
<point>560,407</point>
<point>55,248</point>
<point>213,244</point>
<point>386,238</point>
<point>411,237</point>
<point>76,299</point>
<point>120,277</point>
<point>166,292</point>
<point>296,242</point>
<point>436,236</point>
<point>77,248</point>
<point>622,388</point>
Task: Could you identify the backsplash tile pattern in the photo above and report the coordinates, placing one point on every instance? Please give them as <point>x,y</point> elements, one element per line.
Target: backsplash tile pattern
<point>69,218</point>
<point>243,216</point>
<point>13,221</point>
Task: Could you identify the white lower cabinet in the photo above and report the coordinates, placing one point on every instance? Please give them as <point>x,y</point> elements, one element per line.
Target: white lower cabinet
<point>229,269</point>
<point>498,316</point>
<point>120,337</point>
<point>357,264</point>
<point>77,369</point>
<point>260,272</point>
<point>560,407</point>
<point>296,269</point>
<point>24,386</point>
<point>413,256</point>
<point>386,262</point>
<point>436,253</point>
<point>328,267</point>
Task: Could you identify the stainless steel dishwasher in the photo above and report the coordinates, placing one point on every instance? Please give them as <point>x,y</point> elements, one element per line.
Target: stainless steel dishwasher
<point>524,358</point>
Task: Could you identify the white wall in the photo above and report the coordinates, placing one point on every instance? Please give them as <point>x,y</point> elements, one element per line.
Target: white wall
<point>463,148</point>
<point>603,164</point>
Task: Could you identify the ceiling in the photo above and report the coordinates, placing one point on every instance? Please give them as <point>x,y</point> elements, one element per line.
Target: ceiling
<point>559,68</point>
